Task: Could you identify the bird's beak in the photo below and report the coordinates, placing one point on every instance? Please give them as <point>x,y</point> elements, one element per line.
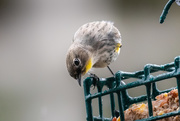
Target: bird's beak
<point>79,79</point>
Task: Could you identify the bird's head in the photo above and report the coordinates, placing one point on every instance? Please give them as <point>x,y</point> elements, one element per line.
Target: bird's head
<point>78,62</point>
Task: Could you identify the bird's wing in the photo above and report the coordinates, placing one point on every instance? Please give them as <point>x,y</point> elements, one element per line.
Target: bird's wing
<point>96,31</point>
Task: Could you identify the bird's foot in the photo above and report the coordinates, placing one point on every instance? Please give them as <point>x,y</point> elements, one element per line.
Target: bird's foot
<point>95,80</point>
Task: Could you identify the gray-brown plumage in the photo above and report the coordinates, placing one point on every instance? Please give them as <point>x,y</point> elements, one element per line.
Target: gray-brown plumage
<point>95,44</point>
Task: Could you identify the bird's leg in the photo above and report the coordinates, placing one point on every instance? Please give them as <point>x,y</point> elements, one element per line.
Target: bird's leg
<point>110,70</point>
<point>95,80</point>
<point>122,82</point>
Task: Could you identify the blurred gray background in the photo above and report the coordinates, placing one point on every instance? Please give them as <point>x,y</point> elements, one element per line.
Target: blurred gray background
<point>36,34</point>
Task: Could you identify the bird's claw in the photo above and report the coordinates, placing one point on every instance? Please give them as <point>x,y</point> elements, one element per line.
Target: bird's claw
<point>95,80</point>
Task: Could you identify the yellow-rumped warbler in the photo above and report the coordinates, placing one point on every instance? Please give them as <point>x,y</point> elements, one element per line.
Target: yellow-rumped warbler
<point>95,44</point>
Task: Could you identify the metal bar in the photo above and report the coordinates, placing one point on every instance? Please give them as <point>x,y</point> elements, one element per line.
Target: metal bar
<point>177,66</point>
<point>119,96</point>
<point>89,110</point>
<point>165,11</point>
<point>133,84</point>
<point>126,99</point>
<point>166,115</point>
<point>148,87</point>
<point>178,86</point>
<point>120,104</point>
<point>153,118</point>
<point>100,103</point>
<point>87,84</point>
<point>100,119</point>
<point>148,91</point>
<point>155,91</point>
<point>137,74</point>
<point>110,85</point>
<point>112,104</point>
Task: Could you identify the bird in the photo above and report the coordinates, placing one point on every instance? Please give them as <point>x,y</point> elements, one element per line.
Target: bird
<point>95,45</point>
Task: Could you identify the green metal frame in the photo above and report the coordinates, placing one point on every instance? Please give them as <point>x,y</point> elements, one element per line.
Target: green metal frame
<point>118,87</point>
<point>165,11</point>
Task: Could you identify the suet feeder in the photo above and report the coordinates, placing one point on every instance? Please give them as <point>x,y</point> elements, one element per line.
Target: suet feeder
<point>116,86</point>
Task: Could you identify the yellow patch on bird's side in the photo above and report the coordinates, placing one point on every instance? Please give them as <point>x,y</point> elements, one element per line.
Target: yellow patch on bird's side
<point>88,65</point>
<point>118,45</point>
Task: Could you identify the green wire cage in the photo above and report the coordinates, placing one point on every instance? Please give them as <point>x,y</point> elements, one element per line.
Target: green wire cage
<point>118,87</point>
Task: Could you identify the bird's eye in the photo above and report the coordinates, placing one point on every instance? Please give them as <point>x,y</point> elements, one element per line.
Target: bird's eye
<point>76,62</point>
